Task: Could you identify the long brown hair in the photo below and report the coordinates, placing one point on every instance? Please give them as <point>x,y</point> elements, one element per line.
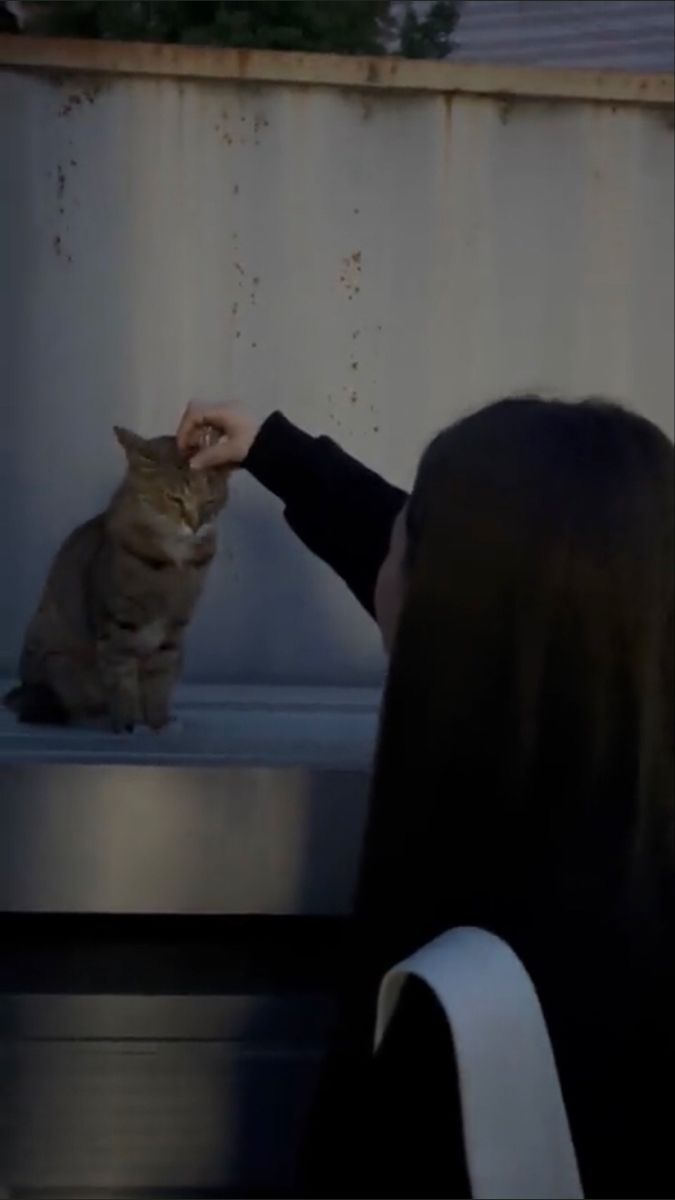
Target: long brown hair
<point>524,772</point>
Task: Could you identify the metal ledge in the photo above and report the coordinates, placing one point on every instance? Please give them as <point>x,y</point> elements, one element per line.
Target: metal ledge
<point>253,803</point>
<point>90,57</point>
<point>314,728</point>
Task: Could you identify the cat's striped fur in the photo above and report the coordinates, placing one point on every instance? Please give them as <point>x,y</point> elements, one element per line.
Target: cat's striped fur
<point>107,635</point>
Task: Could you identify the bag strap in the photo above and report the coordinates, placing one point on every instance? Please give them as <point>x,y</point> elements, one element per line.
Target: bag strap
<point>516,1133</point>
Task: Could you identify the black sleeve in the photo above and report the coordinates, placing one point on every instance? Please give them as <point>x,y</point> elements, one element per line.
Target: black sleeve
<point>341,510</point>
<point>390,1124</point>
<point>415,1139</point>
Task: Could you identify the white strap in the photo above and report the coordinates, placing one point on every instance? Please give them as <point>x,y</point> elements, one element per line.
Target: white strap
<point>516,1133</point>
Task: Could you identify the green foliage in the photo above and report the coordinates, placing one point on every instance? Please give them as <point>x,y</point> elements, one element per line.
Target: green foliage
<point>337,26</point>
<point>324,26</point>
<point>429,35</point>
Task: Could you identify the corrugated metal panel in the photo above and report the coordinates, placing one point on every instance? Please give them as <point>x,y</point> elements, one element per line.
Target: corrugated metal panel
<point>372,262</point>
<point>631,35</point>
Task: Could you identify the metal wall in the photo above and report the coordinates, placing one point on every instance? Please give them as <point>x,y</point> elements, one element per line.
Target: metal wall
<point>373,262</point>
<point>635,35</point>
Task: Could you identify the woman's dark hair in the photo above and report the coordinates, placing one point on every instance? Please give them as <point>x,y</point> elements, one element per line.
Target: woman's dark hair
<point>524,774</point>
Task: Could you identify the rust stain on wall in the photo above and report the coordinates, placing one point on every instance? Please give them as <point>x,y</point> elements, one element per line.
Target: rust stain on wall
<point>86,93</point>
<point>350,274</point>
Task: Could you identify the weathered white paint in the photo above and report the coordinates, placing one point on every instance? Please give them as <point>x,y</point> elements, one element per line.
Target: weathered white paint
<point>372,261</point>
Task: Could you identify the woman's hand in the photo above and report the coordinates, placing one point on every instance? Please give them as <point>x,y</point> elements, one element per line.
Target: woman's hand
<point>237,435</point>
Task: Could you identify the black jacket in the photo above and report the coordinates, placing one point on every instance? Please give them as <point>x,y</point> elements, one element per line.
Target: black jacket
<point>341,510</point>
<point>398,1132</point>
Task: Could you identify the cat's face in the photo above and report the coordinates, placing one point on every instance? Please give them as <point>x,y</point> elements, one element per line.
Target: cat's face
<point>163,481</point>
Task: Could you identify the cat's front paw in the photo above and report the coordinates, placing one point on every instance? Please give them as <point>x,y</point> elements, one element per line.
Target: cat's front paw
<point>124,716</point>
<point>157,716</point>
<point>119,725</point>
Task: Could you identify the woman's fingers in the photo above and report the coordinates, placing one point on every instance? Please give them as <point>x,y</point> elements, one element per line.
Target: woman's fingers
<point>219,455</point>
<point>237,434</point>
<point>195,417</point>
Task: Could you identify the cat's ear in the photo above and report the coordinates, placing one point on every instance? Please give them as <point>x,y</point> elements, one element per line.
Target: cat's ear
<point>136,448</point>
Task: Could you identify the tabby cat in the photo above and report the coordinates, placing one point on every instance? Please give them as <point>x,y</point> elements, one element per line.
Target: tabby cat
<point>106,637</point>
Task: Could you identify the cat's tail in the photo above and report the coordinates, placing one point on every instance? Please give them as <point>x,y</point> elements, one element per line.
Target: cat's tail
<point>37,704</point>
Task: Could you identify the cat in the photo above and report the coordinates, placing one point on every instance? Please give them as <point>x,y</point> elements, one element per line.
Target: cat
<point>107,635</point>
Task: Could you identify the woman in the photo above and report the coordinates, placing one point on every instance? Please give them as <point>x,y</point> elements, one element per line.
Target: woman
<point>524,774</point>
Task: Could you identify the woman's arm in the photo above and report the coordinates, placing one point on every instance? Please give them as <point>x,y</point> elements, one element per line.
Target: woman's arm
<point>341,510</point>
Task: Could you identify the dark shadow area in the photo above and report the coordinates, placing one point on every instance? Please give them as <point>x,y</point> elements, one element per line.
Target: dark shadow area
<point>160,993</point>
<point>334,821</point>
